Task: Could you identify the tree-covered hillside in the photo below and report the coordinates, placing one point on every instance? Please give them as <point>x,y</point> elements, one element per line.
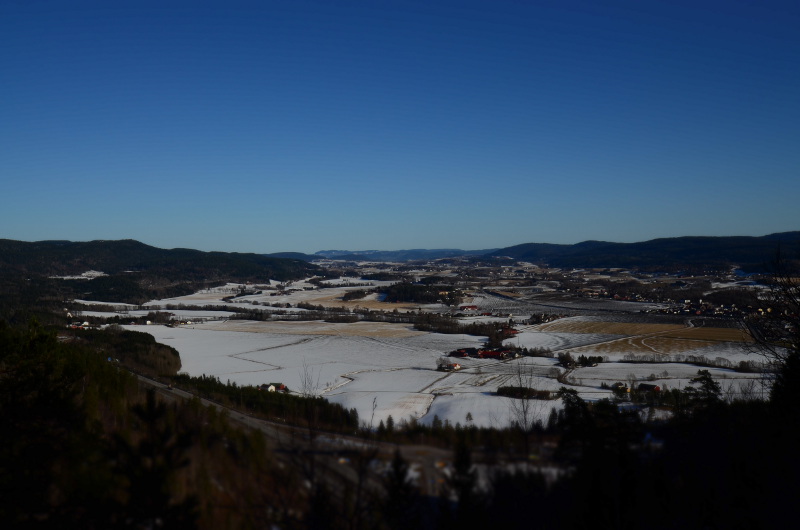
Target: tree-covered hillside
<point>115,257</point>
<point>135,272</point>
<point>749,253</point>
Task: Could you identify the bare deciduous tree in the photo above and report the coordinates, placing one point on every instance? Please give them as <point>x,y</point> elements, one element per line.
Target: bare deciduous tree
<point>775,329</point>
<point>309,381</point>
<point>526,411</point>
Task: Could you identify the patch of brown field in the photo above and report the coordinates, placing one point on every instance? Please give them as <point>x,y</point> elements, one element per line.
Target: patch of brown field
<point>660,344</point>
<point>715,334</point>
<point>508,293</point>
<point>607,328</point>
<point>329,300</point>
<point>355,329</point>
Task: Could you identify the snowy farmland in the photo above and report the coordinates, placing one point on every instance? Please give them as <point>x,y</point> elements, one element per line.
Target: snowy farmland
<point>386,361</point>
<point>392,368</point>
<point>384,369</point>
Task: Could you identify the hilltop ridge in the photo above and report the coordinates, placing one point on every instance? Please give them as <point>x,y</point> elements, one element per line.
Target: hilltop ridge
<point>750,253</point>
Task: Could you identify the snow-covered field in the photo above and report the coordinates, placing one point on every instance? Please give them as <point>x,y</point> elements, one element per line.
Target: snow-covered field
<point>393,368</point>
<point>182,314</point>
<point>559,341</point>
<point>386,361</point>
<point>386,369</point>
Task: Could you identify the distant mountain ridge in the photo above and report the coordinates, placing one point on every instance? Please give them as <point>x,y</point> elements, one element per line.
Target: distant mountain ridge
<point>117,256</point>
<point>398,255</point>
<point>749,253</point>
<point>292,255</point>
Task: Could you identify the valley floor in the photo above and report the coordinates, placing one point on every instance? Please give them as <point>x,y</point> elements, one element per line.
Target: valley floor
<point>384,369</point>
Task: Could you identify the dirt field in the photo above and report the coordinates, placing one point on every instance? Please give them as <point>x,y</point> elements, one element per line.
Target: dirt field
<point>661,344</point>
<point>666,339</point>
<point>715,334</point>
<point>358,329</point>
<point>334,300</point>
<point>508,294</point>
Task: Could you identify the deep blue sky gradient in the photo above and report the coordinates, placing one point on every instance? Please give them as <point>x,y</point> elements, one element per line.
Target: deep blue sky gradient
<point>301,126</point>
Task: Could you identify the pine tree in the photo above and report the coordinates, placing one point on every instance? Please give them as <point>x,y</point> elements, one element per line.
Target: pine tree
<point>401,508</point>
<point>707,392</point>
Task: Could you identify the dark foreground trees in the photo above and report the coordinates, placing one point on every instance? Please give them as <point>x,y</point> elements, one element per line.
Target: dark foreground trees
<point>60,464</point>
<point>83,445</point>
<point>776,331</point>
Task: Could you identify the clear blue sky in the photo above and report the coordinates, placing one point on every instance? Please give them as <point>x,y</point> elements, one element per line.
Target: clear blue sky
<point>302,126</point>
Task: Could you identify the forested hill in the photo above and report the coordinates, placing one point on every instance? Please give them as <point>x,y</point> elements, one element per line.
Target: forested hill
<point>135,272</point>
<point>397,255</point>
<point>749,253</point>
<point>293,255</point>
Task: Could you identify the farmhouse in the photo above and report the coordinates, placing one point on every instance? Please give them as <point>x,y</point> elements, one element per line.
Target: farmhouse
<point>444,365</point>
<point>620,387</point>
<point>464,352</point>
<point>508,332</point>
<point>449,367</point>
<point>646,387</point>
<point>273,387</point>
<point>492,354</point>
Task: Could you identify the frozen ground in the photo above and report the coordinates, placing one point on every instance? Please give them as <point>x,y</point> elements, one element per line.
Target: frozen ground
<point>558,341</point>
<point>524,305</point>
<point>386,369</point>
<point>112,306</point>
<point>292,294</point>
<point>182,314</point>
<point>386,365</point>
<point>667,375</point>
<point>393,368</point>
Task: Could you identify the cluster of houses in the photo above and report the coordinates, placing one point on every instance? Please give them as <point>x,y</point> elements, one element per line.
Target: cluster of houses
<point>79,325</point>
<point>478,353</point>
<point>707,309</point>
<point>473,310</point>
<point>506,332</point>
<point>273,387</point>
<point>643,387</point>
<point>173,323</point>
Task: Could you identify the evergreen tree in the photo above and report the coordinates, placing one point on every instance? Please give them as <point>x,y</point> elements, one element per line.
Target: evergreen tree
<point>148,466</point>
<point>707,392</point>
<point>401,507</point>
<point>470,509</point>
